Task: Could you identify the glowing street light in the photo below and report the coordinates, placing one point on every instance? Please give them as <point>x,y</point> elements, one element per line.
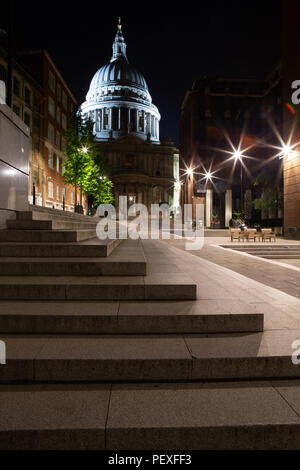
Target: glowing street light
<point>287,152</point>
<point>238,155</point>
<point>208,176</point>
<point>189,172</point>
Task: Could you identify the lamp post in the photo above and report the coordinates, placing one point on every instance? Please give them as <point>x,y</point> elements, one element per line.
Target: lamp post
<point>239,156</point>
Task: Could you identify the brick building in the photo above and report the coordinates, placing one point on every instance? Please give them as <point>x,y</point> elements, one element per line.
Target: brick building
<point>290,74</point>
<point>43,100</point>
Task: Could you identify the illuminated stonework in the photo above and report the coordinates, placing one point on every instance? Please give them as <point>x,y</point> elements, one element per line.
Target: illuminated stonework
<point>119,101</point>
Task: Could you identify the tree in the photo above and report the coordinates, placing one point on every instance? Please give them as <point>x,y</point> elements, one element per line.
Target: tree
<point>271,194</point>
<point>84,168</point>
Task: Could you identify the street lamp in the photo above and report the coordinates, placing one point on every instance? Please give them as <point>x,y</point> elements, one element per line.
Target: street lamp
<point>287,152</point>
<point>237,155</point>
<point>190,172</point>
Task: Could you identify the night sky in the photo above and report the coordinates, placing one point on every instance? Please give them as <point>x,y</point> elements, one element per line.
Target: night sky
<point>171,45</point>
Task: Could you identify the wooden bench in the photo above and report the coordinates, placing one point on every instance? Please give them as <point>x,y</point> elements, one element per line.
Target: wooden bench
<point>235,233</point>
<point>251,233</point>
<point>267,233</point>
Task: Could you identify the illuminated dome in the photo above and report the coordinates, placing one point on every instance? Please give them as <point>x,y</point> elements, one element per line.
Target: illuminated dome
<point>119,72</point>
<point>119,101</point>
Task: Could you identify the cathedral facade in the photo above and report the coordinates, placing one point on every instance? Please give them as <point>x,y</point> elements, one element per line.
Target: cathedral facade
<point>127,131</point>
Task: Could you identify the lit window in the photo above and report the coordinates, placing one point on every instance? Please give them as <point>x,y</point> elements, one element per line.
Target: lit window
<point>50,159</point>
<point>57,164</point>
<point>50,189</point>
<point>51,133</point>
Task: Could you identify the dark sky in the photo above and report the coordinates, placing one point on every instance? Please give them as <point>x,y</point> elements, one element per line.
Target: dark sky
<point>171,45</point>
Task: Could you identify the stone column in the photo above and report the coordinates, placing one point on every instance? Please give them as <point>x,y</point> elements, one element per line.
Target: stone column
<point>119,119</point>
<point>102,120</point>
<point>110,118</point>
<point>136,120</point>
<point>228,206</point>
<point>208,207</point>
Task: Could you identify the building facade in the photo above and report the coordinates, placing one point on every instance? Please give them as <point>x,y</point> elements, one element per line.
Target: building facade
<point>219,115</point>
<point>42,99</point>
<point>291,121</point>
<point>127,130</point>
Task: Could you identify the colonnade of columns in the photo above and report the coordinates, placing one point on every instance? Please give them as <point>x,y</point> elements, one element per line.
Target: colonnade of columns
<point>124,119</point>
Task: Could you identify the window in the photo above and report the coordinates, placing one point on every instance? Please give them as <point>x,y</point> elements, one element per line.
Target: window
<point>51,107</point>
<point>63,194</point>
<point>50,189</point>
<point>57,192</point>
<point>16,86</point>
<point>27,96</point>
<point>58,93</point>
<point>58,140</point>
<point>64,100</point>
<point>72,197</point>
<point>16,109</point>
<point>57,163</point>
<point>51,133</point>
<point>27,119</point>
<point>63,144</point>
<point>50,159</point>
<point>64,121</point>
<point>51,81</point>
<point>58,115</point>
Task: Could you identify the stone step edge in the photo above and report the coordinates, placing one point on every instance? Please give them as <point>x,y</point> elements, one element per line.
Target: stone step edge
<point>116,427</point>
<point>130,324</point>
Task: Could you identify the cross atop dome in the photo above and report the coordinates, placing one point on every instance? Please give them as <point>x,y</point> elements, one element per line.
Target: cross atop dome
<point>119,25</point>
<point>119,45</point>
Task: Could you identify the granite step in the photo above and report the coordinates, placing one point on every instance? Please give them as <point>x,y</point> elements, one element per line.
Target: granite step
<point>73,266</point>
<point>143,358</point>
<point>54,224</point>
<point>150,317</point>
<point>152,287</point>
<point>86,248</point>
<point>159,416</point>
<point>127,260</point>
<point>283,256</point>
<point>46,235</point>
<point>53,214</point>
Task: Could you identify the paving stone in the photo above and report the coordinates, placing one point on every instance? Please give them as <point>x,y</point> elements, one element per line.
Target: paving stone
<point>58,417</point>
<point>200,416</point>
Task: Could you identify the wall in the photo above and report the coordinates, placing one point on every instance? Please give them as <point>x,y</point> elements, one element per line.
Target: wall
<point>14,164</point>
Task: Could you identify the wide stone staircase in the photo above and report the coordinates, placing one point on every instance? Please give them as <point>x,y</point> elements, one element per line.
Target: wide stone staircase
<point>108,347</point>
<point>275,251</point>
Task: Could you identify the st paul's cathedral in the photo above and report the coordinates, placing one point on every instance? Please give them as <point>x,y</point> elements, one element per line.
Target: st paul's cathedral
<point>127,131</point>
